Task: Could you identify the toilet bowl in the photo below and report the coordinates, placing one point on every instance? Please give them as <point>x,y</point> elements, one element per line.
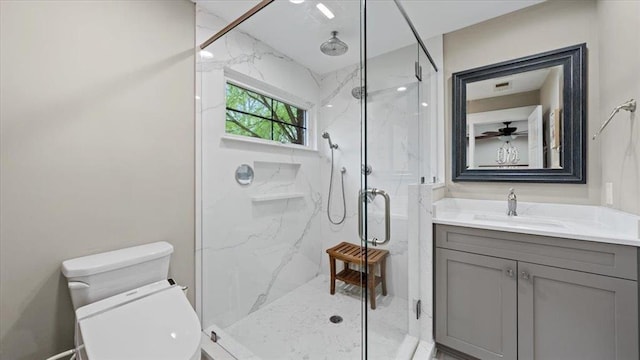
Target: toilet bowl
<point>126,308</point>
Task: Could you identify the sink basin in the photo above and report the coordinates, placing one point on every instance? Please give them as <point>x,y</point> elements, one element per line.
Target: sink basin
<point>519,221</point>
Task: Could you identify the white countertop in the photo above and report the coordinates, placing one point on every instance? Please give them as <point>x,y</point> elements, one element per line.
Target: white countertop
<point>580,222</point>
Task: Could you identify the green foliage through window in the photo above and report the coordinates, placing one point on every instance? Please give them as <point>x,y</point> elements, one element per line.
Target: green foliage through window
<point>256,115</point>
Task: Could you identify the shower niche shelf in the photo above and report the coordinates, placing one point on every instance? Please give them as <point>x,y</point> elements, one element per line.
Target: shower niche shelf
<point>274,197</point>
<point>259,163</point>
<point>278,175</point>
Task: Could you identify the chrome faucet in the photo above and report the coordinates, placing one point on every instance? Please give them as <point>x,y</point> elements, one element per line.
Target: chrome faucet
<point>512,203</point>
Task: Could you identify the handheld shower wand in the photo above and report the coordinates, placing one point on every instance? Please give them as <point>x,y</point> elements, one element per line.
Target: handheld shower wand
<point>328,137</point>
<point>333,146</point>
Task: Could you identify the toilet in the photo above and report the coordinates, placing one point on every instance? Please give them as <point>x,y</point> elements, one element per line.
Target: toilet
<point>126,308</point>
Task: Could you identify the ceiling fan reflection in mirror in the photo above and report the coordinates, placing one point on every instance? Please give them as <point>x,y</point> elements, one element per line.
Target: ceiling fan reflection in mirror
<point>503,134</point>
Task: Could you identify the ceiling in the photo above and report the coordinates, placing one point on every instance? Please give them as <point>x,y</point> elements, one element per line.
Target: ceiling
<point>518,83</point>
<point>297,30</point>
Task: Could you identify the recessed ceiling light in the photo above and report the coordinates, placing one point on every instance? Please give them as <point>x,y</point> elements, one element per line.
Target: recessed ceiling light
<point>402,88</point>
<point>329,105</point>
<point>204,54</point>
<point>296,1</point>
<point>425,104</point>
<point>325,10</point>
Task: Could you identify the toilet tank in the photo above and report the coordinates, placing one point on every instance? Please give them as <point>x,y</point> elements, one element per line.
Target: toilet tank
<point>99,276</point>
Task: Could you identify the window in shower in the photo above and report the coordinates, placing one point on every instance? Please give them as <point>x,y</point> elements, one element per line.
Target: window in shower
<point>250,113</point>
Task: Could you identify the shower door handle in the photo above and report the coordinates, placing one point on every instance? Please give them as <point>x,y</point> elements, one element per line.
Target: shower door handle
<point>371,194</point>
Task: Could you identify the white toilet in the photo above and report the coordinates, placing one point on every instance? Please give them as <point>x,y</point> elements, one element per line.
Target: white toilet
<point>126,308</point>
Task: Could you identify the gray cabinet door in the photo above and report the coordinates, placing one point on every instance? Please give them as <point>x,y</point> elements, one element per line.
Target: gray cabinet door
<point>571,315</point>
<point>476,300</point>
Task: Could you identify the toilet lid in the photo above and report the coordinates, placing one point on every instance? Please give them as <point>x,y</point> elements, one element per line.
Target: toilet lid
<point>146,323</point>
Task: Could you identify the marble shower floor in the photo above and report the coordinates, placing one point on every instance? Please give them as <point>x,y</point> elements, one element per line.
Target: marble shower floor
<point>297,325</point>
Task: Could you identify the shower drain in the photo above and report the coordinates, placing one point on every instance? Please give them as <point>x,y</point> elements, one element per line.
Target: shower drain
<point>336,319</point>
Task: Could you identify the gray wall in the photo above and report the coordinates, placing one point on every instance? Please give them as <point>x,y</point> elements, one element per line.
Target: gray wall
<point>619,30</point>
<point>97,150</point>
<point>543,27</point>
<point>504,102</point>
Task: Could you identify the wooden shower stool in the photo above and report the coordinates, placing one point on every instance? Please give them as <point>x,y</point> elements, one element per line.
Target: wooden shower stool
<point>354,254</point>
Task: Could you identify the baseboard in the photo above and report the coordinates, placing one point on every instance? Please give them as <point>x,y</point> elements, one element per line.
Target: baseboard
<point>455,353</point>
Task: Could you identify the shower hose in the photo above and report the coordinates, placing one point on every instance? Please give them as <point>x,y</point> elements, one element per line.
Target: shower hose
<point>344,201</point>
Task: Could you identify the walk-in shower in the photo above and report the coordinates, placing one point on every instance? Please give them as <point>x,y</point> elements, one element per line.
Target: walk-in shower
<point>271,99</point>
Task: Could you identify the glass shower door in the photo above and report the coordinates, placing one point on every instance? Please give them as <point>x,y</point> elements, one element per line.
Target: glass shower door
<point>393,160</point>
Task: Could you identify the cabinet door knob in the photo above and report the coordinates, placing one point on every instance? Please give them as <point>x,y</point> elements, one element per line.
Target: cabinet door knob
<point>509,271</point>
<point>524,275</point>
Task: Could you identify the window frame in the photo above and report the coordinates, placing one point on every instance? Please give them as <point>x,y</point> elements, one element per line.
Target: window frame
<point>273,94</point>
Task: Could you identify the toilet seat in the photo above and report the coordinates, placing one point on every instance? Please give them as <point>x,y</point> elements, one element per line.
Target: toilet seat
<point>155,321</point>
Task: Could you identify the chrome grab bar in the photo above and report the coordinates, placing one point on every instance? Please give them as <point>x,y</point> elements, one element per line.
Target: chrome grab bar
<point>362,197</point>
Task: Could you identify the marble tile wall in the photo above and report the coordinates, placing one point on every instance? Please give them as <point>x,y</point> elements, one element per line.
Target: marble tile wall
<point>420,268</point>
<point>253,252</point>
<point>339,115</point>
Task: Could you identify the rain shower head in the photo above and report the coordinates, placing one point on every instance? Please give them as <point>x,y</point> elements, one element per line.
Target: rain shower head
<point>334,46</point>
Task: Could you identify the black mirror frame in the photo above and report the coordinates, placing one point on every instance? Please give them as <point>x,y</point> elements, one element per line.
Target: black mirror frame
<point>574,118</point>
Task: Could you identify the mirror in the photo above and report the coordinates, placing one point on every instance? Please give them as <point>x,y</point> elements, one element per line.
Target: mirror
<point>244,174</point>
<point>522,120</point>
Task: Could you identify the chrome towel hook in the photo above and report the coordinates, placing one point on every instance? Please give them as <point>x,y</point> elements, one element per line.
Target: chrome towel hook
<point>629,106</point>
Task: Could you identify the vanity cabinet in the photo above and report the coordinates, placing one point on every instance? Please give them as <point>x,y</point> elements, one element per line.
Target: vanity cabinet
<point>476,304</point>
<point>502,295</point>
<point>565,314</point>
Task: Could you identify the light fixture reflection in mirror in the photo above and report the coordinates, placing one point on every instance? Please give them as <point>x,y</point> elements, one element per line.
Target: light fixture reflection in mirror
<point>244,174</point>
<point>507,154</point>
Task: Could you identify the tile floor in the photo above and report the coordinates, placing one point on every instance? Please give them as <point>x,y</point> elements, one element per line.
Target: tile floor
<point>297,325</point>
